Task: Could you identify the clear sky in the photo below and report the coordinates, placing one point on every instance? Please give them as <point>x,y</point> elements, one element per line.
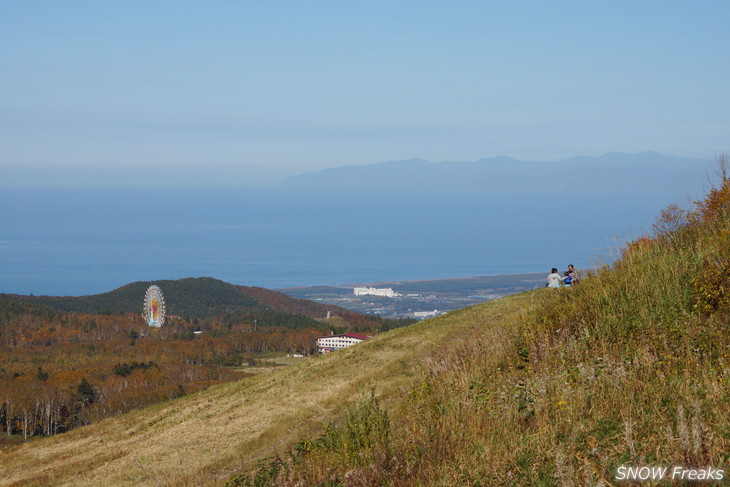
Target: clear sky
<point>254,91</point>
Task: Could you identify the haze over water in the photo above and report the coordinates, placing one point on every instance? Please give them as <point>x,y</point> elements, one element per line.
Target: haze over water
<point>100,94</point>
<point>65,241</point>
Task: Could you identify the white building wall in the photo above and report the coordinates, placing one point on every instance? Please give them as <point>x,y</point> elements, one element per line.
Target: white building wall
<point>374,291</point>
<point>336,342</point>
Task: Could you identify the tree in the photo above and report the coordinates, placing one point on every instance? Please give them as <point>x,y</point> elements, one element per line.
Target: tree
<point>87,392</point>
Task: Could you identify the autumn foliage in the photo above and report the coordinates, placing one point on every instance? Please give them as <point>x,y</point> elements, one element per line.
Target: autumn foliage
<point>60,370</point>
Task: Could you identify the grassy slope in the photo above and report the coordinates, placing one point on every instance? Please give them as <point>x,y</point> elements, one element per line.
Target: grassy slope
<point>201,438</point>
<point>630,367</point>
<point>551,387</point>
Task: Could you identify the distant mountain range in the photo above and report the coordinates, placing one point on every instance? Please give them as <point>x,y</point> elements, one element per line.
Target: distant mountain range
<point>646,172</point>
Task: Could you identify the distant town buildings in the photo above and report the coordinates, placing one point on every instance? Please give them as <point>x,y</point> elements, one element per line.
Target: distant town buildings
<point>330,343</point>
<point>374,291</point>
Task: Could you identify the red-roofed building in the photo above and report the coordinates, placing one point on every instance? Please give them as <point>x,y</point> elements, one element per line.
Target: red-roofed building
<point>330,343</point>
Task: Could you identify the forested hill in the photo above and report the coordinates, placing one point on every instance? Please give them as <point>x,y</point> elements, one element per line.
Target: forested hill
<point>285,303</point>
<point>189,298</point>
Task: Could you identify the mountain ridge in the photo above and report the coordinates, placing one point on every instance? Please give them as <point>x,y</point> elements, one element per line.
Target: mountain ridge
<point>611,172</point>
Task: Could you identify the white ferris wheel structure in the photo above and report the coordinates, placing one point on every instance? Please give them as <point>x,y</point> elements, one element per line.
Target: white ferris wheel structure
<point>154,307</point>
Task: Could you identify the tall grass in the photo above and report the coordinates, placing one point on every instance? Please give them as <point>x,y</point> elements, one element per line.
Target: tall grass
<point>630,366</point>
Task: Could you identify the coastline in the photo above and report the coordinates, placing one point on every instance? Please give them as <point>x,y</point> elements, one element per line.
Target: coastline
<point>433,296</point>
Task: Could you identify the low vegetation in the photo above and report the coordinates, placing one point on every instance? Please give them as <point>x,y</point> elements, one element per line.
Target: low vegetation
<point>63,369</point>
<point>550,387</point>
<point>630,367</point>
<point>200,439</point>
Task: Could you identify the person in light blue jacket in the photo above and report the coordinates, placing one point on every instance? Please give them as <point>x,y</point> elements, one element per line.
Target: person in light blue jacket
<point>553,280</point>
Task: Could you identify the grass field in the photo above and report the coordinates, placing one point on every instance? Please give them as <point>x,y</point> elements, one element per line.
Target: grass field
<point>628,368</point>
<point>201,439</point>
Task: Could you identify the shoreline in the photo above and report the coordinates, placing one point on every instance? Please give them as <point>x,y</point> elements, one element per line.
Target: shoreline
<point>433,296</point>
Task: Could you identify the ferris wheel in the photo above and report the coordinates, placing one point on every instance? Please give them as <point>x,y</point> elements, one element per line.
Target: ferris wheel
<point>154,307</point>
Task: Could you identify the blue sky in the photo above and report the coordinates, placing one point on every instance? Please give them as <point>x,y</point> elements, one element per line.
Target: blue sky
<point>255,91</point>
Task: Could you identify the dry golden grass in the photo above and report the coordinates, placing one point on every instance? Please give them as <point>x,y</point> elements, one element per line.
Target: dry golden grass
<point>201,439</point>
<point>630,367</point>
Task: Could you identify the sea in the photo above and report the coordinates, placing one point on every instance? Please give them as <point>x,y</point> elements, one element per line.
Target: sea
<point>79,241</point>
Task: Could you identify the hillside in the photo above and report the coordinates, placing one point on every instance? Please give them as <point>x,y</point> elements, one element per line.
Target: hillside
<point>190,298</point>
<point>548,387</point>
<point>204,437</point>
<point>71,366</point>
<point>627,369</point>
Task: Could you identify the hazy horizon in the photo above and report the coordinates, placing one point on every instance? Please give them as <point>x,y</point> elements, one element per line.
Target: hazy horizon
<point>193,176</point>
<point>187,95</point>
<point>150,91</point>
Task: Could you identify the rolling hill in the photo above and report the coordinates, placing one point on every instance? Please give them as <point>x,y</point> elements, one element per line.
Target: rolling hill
<point>68,362</point>
<point>190,298</point>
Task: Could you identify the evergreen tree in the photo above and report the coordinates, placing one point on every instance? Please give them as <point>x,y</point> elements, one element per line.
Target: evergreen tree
<point>87,392</point>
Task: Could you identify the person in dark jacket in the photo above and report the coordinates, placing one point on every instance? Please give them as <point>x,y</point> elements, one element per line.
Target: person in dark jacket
<point>573,274</point>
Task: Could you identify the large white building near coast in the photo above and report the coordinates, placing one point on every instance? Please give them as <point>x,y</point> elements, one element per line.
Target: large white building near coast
<point>330,343</point>
<point>375,291</point>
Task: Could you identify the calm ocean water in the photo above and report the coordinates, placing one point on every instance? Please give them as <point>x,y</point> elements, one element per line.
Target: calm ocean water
<point>87,241</point>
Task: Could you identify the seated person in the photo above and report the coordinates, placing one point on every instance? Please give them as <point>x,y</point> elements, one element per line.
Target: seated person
<point>553,280</point>
<point>567,278</point>
<point>573,274</point>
